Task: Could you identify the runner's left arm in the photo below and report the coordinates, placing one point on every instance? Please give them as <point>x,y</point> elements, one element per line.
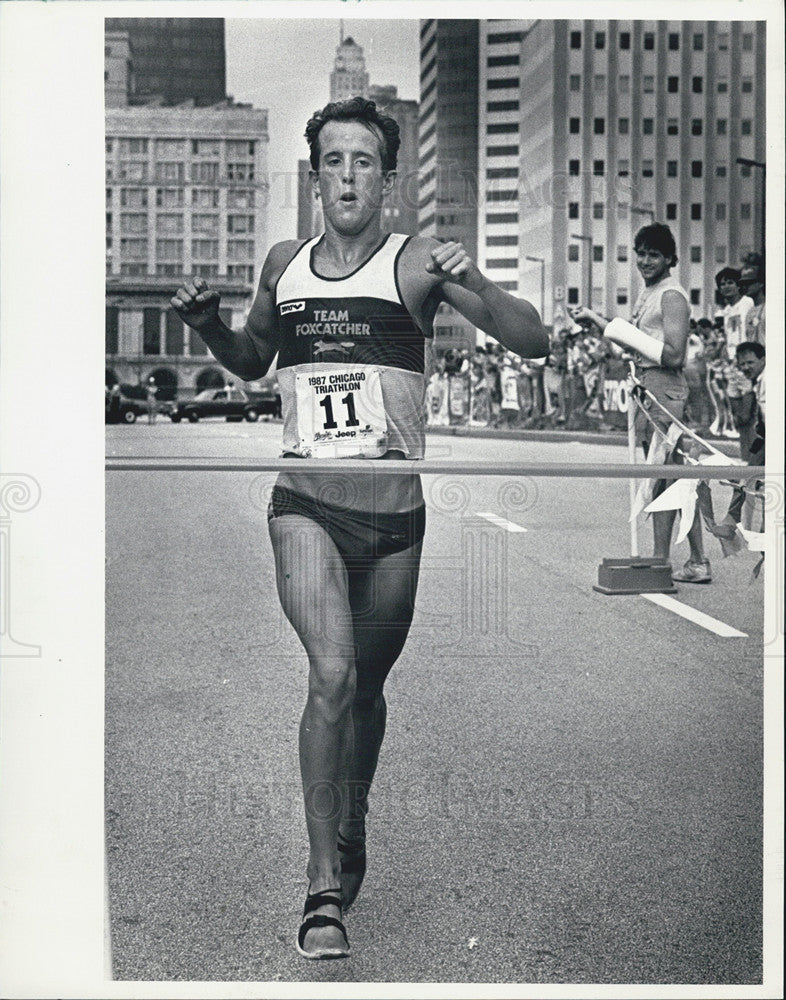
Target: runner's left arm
<point>513,322</point>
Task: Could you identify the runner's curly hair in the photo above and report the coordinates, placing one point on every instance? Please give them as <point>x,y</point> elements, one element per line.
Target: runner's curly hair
<point>357,109</point>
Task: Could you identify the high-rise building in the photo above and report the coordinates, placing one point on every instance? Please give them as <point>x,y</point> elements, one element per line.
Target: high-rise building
<point>590,129</point>
<point>185,197</point>
<point>348,78</point>
<point>448,149</point>
<point>174,59</point>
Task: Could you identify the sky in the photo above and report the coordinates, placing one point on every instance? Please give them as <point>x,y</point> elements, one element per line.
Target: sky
<point>284,66</point>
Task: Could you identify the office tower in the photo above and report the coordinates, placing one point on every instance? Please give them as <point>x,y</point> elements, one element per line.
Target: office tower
<point>348,78</point>
<point>591,129</point>
<point>174,59</point>
<point>448,148</point>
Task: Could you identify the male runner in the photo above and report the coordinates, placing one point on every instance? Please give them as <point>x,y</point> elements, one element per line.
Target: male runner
<point>348,314</point>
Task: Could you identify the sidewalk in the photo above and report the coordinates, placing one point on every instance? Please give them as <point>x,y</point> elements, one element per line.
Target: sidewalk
<point>618,438</point>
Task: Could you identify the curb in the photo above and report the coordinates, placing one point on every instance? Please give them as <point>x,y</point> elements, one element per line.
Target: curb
<point>618,438</point>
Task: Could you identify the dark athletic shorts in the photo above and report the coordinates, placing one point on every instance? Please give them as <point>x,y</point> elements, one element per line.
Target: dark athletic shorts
<point>358,535</point>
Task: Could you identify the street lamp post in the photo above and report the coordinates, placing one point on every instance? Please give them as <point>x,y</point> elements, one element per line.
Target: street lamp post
<point>587,239</point>
<point>743,161</point>
<point>542,262</point>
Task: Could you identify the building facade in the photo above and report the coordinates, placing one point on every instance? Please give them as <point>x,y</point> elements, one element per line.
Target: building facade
<point>173,59</point>
<point>185,196</point>
<point>448,150</point>
<point>591,129</point>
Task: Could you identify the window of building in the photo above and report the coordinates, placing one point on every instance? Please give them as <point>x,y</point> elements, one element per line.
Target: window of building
<point>202,223</point>
<point>598,168</point>
<point>623,167</point>
<point>575,81</point>
<point>502,128</point>
<point>647,126</point>
<point>196,346</point>
<point>695,211</point>
<point>745,170</point>
<point>720,170</point>
<point>174,341</point>
<point>502,241</point>
<point>493,173</point>
<point>746,126</point>
<point>502,195</point>
<point>151,330</point>
<point>622,296</point>
<point>502,218</point>
<point>600,83</point>
<point>698,43</point>
<point>205,147</point>
<point>108,198</point>
<point>600,39</point>
<point>723,86</point>
<point>672,168</point>
<point>169,249</point>
<point>133,222</point>
<point>599,126</point>
<point>502,151</point>
<point>171,171</point>
<point>720,212</point>
<point>133,270</point>
<point>502,262</point>
<point>511,60</point>
<point>169,223</point>
<point>492,106</point>
<point>131,170</point>
<point>172,270</point>
<point>503,37</point>
<point>133,197</point>
<point>747,85</point>
<point>574,167</point>
<point>720,126</point>
<point>108,220</point>
<point>672,127</point>
<point>624,39</point>
<point>624,83</point>
<point>240,249</point>
<point>697,84</point>
<point>243,172</point>
<point>169,149</point>
<point>649,84</point>
<point>649,40</point>
<point>696,126</point>
<point>622,252</point>
<point>745,210</point>
<point>573,210</point>
<point>597,253</point>
<point>108,146</point>
<point>623,126</point>
<point>240,149</point>
<point>674,41</point>
<point>671,211</point>
<point>133,249</point>
<point>747,41</point>
<point>204,249</point>
<point>647,168</point>
<point>573,251</point>
<point>573,296</point>
<point>238,224</point>
<point>241,273</point>
<point>696,168</point>
<point>575,39</point>
<point>695,296</point>
<point>723,41</point>
<point>205,197</point>
<point>133,147</point>
<point>597,210</point>
<point>720,253</point>
<point>695,255</point>
<point>505,83</point>
<point>574,126</point>
<point>673,84</point>
<point>169,198</point>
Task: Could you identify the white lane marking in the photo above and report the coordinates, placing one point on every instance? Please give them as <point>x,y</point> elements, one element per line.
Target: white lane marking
<point>697,617</point>
<point>500,521</point>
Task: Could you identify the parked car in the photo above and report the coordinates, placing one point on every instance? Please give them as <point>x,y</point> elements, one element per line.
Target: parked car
<point>121,410</point>
<point>265,394</point>
<point>229,402</point>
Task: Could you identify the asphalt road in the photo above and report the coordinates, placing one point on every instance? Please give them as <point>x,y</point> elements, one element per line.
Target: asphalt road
<point>570,787</point>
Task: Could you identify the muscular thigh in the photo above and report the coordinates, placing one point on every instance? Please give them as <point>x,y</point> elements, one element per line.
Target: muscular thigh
<point>382,599</point>
<point>312,585</point>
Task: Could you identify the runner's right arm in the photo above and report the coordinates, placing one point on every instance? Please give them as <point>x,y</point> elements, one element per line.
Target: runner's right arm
<point>249,352</point>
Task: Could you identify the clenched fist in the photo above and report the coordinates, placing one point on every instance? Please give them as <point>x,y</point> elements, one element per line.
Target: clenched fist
<point>451,262</point>
<point>196,304</point>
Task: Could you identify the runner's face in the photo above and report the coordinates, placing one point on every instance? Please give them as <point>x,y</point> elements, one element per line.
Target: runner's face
<point>351,180</point>
<point>728,288</point>
<point>750,365</point>
<point>652,265</point>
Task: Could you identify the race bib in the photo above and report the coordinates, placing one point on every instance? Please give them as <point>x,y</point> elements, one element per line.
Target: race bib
<point>340,412</point>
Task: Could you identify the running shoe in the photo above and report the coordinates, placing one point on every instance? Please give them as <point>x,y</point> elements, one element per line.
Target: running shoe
<point>693,572</point>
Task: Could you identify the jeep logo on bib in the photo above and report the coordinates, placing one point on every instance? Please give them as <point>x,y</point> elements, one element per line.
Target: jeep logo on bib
<point>291,307</point>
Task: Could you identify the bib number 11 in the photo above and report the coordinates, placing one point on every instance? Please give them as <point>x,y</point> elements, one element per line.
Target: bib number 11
<point>327,403</point>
